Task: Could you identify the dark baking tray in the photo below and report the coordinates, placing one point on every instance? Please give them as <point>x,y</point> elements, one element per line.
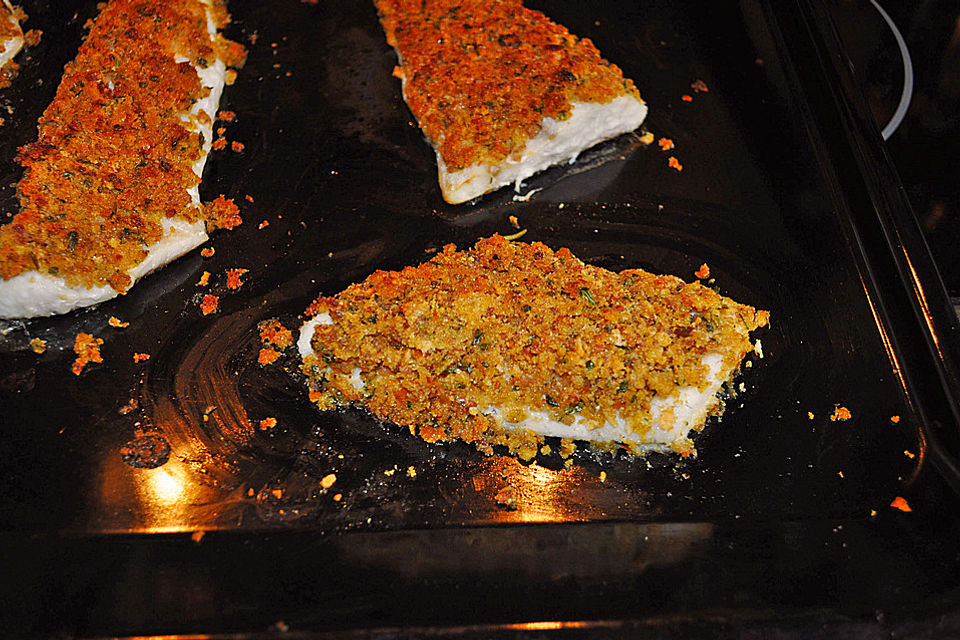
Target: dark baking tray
<point>783,522</point>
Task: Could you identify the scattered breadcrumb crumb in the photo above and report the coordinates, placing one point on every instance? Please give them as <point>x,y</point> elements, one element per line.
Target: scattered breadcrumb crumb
<point>686,98</point>
<point>840,413</point>
<point>204,279</point>
<point>666,144</point>
<point>647,138</point>
<point>117,323</point>
<point>221,131</point>
<point>233,278</point>
<point>909,454</point>
<point>236,147</point>
<point>273,332</point>
<point>674,163</point>
<point>129,408</point>
<point>263,224</point>
<point>140,357</point>
<point>230,77</point>
<point>390,472</point>
<point>248,197</point>
<point>268,356</point>
<point>277,493</point>
<point>900,503</point>
<point>268,423</point>
<point>894,419</point>
<point>38,346</point>
<point>32,37</point>
<point>703,272</point>
<point>603,476</point>
<point>513,221</point>
<point>209,304</point>
<point>327,481</point>
<point>219,144</point>
<point>411,472</point>
<point>338,497</point>
<point>207,252</point>
<point>810,415</point>
<point>226,116</point>
<point>698,86</point>
<point>197,536</point>
<point>87,348</point>
<point>222,213</point>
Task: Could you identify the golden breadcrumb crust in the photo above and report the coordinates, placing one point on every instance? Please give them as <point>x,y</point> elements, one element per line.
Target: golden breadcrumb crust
<point>521,328</point>
<point>9,22</point>
<point>114,158</point>
<point>481,75</point>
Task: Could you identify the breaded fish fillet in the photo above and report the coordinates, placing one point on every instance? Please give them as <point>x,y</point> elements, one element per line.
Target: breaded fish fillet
<point>510,342</point>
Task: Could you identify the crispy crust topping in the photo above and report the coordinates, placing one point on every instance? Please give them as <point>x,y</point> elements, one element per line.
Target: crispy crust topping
<point>10,22</point>
<point>518,327</point>
<point>481,75</point>
<point>114,157</point>
<point>87,348</point>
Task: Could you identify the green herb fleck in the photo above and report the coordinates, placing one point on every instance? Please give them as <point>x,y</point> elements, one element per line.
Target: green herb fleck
<point>574,408</point>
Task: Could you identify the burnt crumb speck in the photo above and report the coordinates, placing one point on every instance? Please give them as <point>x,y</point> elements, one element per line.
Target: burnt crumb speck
<point>146,452</point>
<point>129,408</point>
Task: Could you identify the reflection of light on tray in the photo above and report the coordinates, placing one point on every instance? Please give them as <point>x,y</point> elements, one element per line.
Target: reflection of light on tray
<point>924,306</point>
<point>541,493</point>
<point>885,337</point>
<point>549,626</point>
<point>166,496</point>
<point>162,487</point>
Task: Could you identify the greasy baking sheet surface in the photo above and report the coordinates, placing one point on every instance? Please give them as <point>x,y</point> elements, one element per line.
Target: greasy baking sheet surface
<point>341,184</point>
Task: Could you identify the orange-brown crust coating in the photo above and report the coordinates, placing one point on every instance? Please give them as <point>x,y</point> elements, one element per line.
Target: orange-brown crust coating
<point>9,21</point>
<point>114,159</point>
<point>481,75</point>
<point>519,327</point>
